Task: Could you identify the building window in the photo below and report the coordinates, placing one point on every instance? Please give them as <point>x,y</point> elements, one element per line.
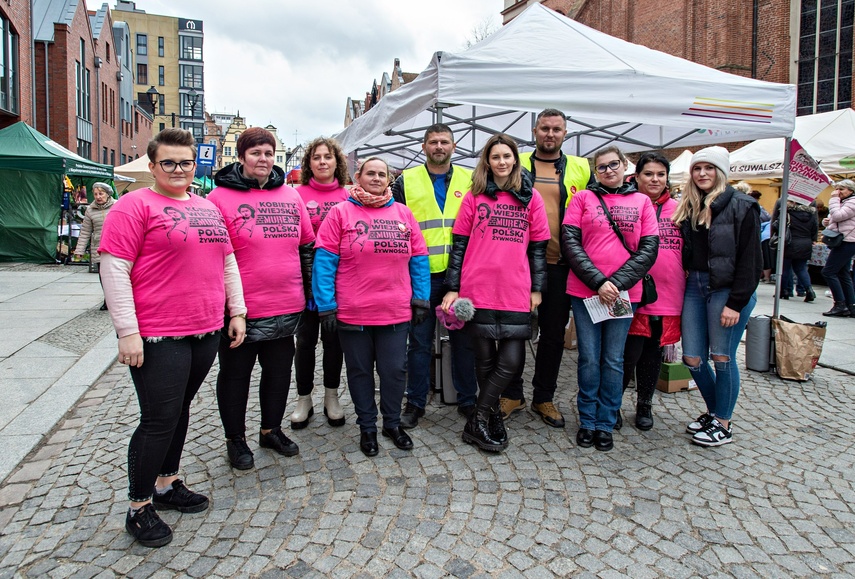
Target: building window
<point>161,105</point>
<point>142,74</point>
<point>142,44</point>
<point>108,51</point>
<point>191,76</point>
<point>162,126</point>
<point>227,151</point>
<point>112,156</point>
<point>8,67</point>
<point>160,46</point>
<point>104,155</point>
<point>160,76</point>
<point>193,112</point>
<point>191,48</point>
<point>81,81</point>
<point>279,159</point>
<point>84,148</point>
<point>825,55</point>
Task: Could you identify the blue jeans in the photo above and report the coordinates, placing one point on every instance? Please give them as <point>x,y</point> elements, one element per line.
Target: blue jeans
<point>363,346</point>
<point>420,355</point>
<point>800,268</point>
<point>837,275</point>
<point>704,336</point>
<point>599,368</point>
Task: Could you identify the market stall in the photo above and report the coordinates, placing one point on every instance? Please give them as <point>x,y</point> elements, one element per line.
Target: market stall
<point>35,208</point>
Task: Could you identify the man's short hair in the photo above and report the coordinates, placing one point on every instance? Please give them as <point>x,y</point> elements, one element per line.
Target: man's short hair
<point>438,128</point>
<point>549,113</point>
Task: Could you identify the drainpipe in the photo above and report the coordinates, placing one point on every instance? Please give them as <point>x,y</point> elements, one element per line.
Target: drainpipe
<point>97,62</point>
<point>47,93</point>
<point>755,18</point>
<point>32,67</point>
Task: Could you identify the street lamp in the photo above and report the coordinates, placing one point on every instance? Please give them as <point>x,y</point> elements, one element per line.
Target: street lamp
<point>153,97</point>
<point>192,101</point>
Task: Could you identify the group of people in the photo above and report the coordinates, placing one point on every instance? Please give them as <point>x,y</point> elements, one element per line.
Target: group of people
<point>370,267</point>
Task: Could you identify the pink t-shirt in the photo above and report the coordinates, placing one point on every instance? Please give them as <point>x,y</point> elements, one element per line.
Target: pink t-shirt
<point>179,249</point>
<point>320,198</point>
<point>635,216</point>
<point>374,245</point>
<point>496,274</point>
<point>667,270</point>
<point>266,228</point>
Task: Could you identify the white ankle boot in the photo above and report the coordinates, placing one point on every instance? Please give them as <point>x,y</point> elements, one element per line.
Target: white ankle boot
<point>332,407</point>
<point>302,413</point>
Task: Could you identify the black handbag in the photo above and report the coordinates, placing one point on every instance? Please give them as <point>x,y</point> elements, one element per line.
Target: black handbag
<point>648,285</point>
<point>775,240</point>
<point>831,238</point>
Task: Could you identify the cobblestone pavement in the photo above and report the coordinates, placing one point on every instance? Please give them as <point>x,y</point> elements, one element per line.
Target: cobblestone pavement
<point>776,503</point>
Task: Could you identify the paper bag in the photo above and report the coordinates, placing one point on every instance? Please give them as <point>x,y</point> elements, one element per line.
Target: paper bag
<point>797,348</point>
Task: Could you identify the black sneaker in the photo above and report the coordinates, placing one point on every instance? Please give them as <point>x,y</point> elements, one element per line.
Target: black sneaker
<point>277,440</point>
<point>147,527</point>
<point>410,416</point>
<point>715,434</point>
<point>702,422</point>
<point>180,498</point>
<point>240,456</point>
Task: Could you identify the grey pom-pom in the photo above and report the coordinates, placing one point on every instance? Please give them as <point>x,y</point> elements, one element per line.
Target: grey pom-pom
<point>464,309</point>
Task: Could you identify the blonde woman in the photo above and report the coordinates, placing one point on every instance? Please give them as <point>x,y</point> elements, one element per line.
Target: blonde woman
<point>722,258</point>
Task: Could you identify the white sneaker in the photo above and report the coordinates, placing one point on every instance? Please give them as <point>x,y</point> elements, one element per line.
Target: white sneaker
<point>713,435</point>
<point>700,423</point>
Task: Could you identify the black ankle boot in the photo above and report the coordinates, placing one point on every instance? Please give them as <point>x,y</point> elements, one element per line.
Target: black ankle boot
<point>840,310</point>
<point>496,428</point>
<point>810,295</point>
<point>644,416</point>
<point>477,432</point>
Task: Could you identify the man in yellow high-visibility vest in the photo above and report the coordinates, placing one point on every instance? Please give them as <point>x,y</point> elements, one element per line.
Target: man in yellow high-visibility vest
<point>434,192</point>
<point>556,177</point>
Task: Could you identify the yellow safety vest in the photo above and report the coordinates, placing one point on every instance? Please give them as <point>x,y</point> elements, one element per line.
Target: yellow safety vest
<point>577,173</point>
<point>436,225</point>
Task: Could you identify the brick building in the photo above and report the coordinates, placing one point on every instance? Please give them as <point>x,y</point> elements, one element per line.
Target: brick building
<point>808,43</point>
<point>16,63</point>
<point>78,76</point>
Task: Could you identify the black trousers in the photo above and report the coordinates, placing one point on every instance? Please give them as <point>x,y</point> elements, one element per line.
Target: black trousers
<point>304,360</point>
<point>166,384</point>
<point>275,357</point>
<point>553,313</point>
<point>496,364</point>
<point>643,356</point>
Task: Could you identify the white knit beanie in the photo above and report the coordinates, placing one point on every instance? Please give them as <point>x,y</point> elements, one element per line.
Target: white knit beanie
<point>718,156</point>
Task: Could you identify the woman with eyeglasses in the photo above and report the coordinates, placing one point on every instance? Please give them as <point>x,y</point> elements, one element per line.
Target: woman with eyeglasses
<point>602,265</point>
<point>166,294</point>
<point>273,239</point>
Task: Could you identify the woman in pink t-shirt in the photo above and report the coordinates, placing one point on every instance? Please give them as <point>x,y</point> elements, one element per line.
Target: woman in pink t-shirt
<point>371,280</point>
<point>603,266</point>
<point>323,177</point>
<point>274,244</point>
<point>501,227</point>
<point>658,324</point>
<point>166,295</point>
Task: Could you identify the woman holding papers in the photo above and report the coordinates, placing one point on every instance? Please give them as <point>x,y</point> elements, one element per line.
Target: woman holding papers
<point>610,239</point>
<point>723,261</point>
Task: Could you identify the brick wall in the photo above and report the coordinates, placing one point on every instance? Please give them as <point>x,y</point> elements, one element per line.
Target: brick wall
<point>18,14</point>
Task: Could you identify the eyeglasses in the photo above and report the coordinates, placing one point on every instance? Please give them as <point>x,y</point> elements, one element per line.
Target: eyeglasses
<point>169,166</point>
<point>614,165</point>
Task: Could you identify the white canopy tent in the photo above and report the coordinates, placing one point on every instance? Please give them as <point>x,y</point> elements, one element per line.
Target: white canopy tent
<point>138,170</point>
<point>611,90</point>
<point>828,137</point>
<point>680,168</point>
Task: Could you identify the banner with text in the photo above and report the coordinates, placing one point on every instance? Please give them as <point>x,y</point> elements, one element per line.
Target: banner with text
<point>807,179</point>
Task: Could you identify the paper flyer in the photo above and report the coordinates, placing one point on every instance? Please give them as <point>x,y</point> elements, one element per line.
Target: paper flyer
<point>622,308</point>
<point>807,179</point>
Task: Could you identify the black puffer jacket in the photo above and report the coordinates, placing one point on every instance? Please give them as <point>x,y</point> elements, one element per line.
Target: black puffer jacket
<point>498,324</point>
<point>627,275</point>
<point>804,227</point>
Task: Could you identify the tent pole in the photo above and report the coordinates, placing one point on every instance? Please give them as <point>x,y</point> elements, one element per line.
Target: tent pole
<point>782,235</point>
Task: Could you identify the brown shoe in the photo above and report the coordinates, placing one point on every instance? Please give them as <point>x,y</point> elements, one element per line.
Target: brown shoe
<point>549,413</point>
<point>508,406</point>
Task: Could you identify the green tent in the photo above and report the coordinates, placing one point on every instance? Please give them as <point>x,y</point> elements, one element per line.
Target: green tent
<point>32,171</point>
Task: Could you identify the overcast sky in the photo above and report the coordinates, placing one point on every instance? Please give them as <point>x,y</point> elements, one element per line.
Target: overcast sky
<point>293,63</point>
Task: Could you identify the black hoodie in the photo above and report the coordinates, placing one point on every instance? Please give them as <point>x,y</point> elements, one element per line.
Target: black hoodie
<point>231,176</point>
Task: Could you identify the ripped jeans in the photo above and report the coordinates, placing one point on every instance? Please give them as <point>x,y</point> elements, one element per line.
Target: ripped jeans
<point>704,337</point>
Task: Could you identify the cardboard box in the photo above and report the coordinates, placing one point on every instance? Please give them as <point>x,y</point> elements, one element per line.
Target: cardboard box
<point>673,377</point>
<point>570,335</point>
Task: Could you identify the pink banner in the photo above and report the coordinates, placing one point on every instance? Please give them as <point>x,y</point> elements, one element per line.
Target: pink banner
<point>807,179</point>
